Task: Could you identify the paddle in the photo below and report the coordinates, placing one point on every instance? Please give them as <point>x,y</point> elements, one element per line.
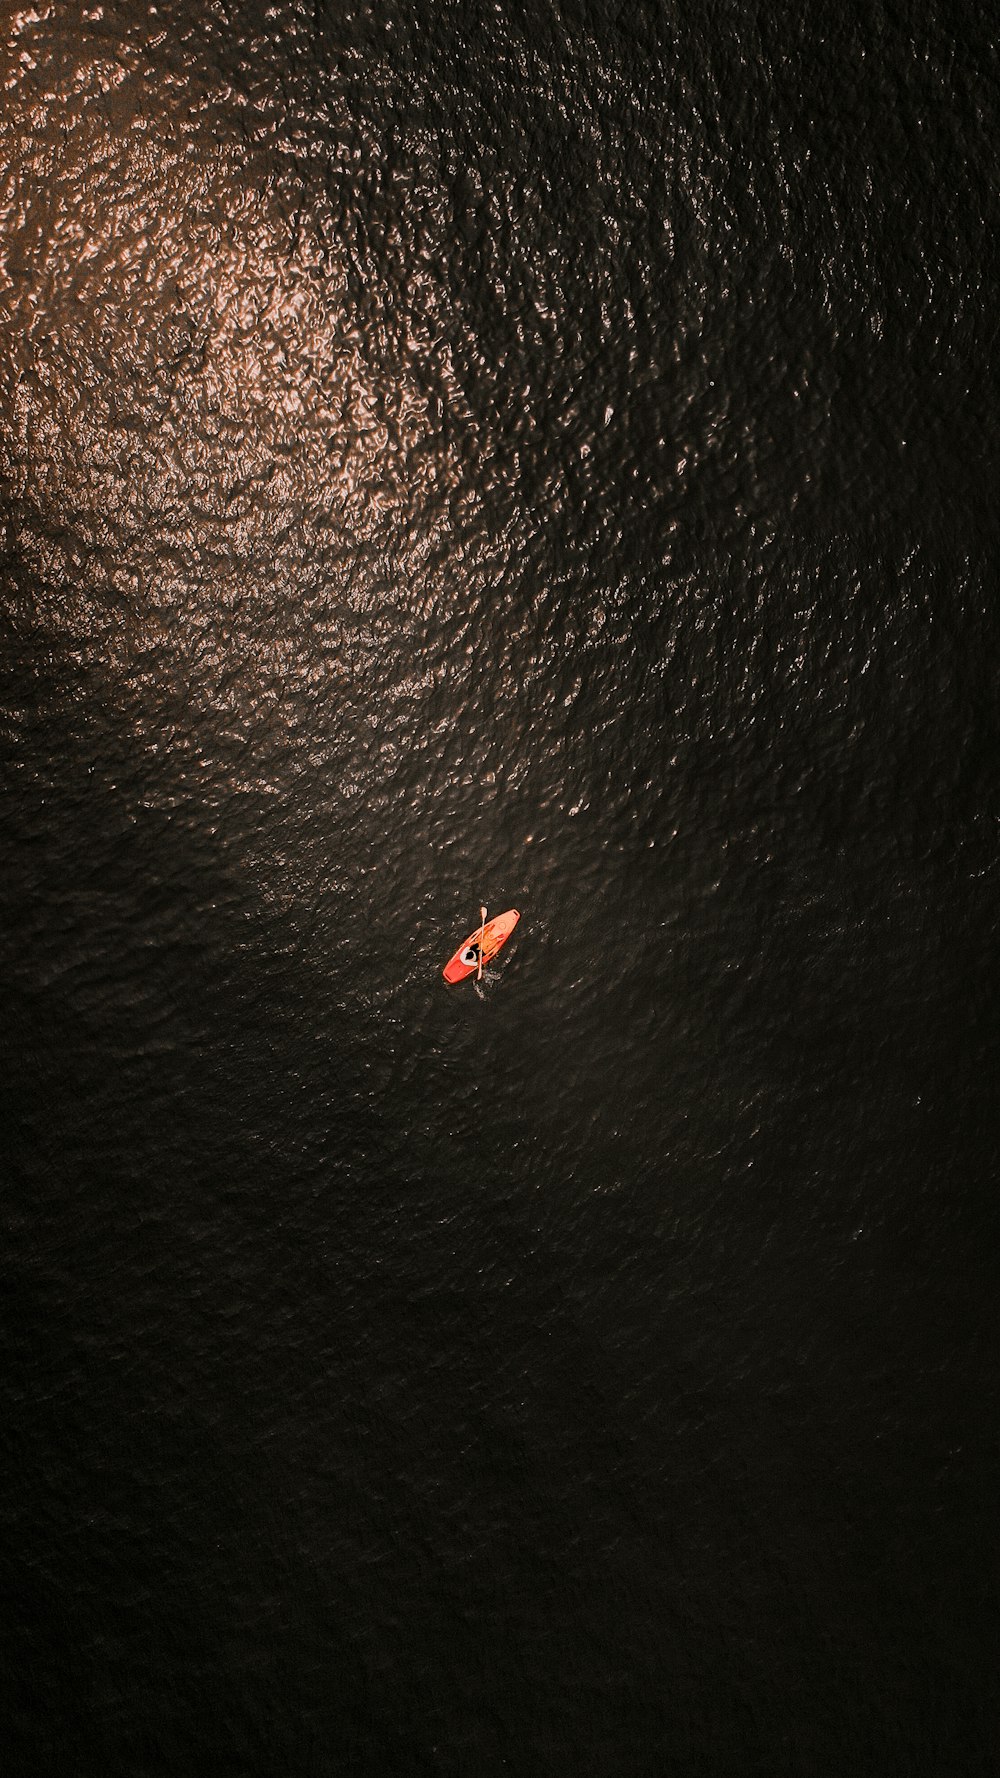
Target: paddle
<point>482,929</point>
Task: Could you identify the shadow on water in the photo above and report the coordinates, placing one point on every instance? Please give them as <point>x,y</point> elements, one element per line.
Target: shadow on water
<point>361,1416</point>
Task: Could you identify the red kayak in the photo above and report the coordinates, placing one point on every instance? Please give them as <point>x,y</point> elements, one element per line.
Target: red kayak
<point>494,934</point>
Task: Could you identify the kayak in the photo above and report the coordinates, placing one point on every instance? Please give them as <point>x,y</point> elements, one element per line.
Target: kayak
<point>466,959</point>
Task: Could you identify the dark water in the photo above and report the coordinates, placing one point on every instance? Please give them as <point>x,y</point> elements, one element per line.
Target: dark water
<point>542,455</point>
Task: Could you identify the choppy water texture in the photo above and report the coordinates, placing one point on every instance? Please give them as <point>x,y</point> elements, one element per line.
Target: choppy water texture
<point>544,456</point>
